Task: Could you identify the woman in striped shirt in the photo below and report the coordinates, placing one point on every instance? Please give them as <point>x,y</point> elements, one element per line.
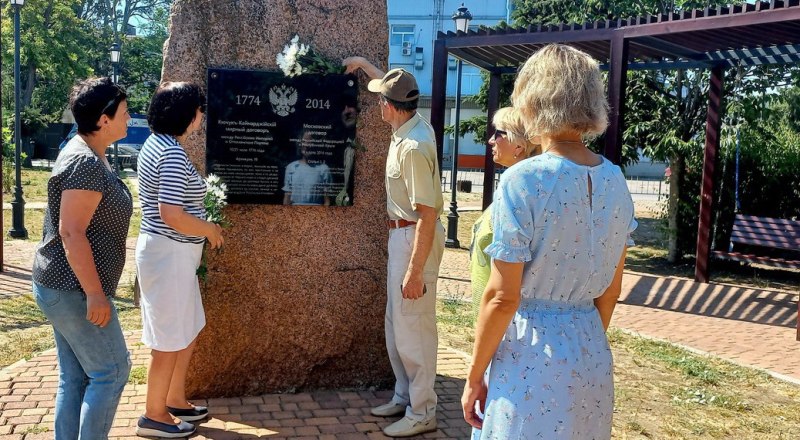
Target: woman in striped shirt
<point>168,253</point>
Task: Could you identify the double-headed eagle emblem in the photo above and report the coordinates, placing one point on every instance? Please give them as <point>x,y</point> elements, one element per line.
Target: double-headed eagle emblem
<point>283,98</point>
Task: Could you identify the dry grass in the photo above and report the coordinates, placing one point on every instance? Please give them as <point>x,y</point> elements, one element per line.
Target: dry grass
<point>24,330</point>
<point>465,221</point>
<point>665,392</point>
<point>662,391</point>
<point>34,185</point>
<point>34,222</point>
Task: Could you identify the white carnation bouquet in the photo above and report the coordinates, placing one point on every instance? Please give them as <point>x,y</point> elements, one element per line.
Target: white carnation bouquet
<point>215,201</point>
<point>298,58</point>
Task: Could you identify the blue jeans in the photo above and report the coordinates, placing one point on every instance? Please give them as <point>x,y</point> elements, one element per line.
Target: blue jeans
<point>94,364</point>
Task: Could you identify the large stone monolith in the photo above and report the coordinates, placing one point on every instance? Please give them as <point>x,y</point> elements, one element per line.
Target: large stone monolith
<point>296,298</point>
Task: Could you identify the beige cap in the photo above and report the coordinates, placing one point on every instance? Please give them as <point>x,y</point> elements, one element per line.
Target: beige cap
<point>397,85</point>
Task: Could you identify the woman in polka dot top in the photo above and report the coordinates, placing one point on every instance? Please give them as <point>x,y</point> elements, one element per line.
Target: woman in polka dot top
<point>79,262</point>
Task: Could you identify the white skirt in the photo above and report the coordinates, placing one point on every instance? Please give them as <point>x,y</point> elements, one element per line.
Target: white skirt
<point>172,309</point>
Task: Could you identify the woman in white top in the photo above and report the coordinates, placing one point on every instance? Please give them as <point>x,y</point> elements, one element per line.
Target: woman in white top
<point>168,254</point>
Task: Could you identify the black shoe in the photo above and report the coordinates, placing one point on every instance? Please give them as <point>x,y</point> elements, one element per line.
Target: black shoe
<point>151,428</point>
<point>189,414</point>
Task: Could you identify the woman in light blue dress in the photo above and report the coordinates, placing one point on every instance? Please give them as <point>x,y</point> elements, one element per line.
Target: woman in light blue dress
<point>542,366</point>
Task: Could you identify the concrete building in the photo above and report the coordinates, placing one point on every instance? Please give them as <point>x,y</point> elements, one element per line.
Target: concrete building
<point>413,26</point>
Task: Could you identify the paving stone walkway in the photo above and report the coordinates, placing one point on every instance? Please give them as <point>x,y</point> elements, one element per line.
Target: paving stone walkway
<point>27,392</point>
<point>754,327</point>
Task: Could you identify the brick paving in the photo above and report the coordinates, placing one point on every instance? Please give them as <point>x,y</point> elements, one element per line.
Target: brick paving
<point>15,279</point>
<point>16,276</point>
<point>754,327</point>
<point>27,394</point>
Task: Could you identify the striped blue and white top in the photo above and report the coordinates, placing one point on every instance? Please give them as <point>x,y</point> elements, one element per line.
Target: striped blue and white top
<point>166,175</point>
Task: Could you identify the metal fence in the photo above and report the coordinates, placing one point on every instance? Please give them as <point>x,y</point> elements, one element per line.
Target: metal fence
<point>473,175</point>
<point>640,187</point>
<point>648,187</point>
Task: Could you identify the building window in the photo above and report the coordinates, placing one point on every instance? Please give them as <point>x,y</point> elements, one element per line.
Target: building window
<point>470,83</point>
<point>409,67</point>
<point>402,34</point>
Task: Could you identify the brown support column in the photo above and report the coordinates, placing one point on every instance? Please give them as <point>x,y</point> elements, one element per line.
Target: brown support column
<point>2,231</point>
<point>710,159</point>
<point>488,163</point>
<point>617,78</point>
<point>438,95</point>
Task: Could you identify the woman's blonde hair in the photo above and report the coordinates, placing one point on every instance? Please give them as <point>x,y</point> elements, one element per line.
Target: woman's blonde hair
<point>509,120</point>
<point>559,89</point>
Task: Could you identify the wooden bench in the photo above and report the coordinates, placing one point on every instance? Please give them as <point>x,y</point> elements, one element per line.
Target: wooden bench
<point>765,233</point>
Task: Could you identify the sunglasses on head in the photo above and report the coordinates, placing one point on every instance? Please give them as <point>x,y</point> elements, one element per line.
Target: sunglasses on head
<point>108,106</point>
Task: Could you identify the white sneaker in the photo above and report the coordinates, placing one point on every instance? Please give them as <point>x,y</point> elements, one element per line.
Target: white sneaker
<point>388,410</point>
<point>407,427</point>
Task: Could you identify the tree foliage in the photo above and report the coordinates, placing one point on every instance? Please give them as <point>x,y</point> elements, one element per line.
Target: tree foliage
<point>477,124</point>
<point>140,70</point>
<point>114,17</point>
<point>55,48</point>
<point>666,110</point>
<point>66,40</point>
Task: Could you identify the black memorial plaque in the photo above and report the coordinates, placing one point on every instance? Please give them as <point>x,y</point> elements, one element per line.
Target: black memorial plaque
<point>279,140</point>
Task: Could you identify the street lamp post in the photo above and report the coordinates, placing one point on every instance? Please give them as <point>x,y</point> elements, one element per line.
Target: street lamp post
<point>18,204</point>
<point>114,51</point>
<point>461,18</point>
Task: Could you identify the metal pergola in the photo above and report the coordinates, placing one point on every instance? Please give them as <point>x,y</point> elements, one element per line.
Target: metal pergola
<point>762,33</point>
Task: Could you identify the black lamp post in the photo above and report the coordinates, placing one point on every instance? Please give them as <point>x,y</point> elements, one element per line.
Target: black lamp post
<point>114,51</point>
<point>461,18</point>
<point>18,204</point>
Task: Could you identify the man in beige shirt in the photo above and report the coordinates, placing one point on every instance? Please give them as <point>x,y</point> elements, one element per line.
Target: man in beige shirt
<point>416,243</point>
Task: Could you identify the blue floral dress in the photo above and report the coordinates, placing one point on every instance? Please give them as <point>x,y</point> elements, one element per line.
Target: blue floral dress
<point>551,377</point>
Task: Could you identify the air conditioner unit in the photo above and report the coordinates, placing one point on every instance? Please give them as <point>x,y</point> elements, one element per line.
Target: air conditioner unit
<point>406,51</point>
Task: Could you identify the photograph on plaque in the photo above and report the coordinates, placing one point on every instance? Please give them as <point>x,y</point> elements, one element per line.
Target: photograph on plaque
<point>282,141</point>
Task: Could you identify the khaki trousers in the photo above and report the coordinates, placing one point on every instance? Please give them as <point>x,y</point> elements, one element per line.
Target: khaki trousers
<point>411,337</point>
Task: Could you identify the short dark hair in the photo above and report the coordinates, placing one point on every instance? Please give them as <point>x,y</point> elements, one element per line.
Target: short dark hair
<point>93,97</point>
<point>405,107</point>
<point>174,106</point>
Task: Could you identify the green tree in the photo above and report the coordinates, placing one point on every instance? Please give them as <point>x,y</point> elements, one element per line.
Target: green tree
<point>477,124</point>
<point>114,17</point>
<point>66,40</point>
<point>141,61</point>
<point>55,49</point>
<point>666,110</point>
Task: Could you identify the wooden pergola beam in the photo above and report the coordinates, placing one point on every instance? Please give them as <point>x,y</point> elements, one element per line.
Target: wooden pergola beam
<point>717,22</point>
<point>495,80</point>
<point>466,41</point>
<point>617,79</point>
<point>438,96</point>
<point>710,159</point>
<point>764,33</point>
